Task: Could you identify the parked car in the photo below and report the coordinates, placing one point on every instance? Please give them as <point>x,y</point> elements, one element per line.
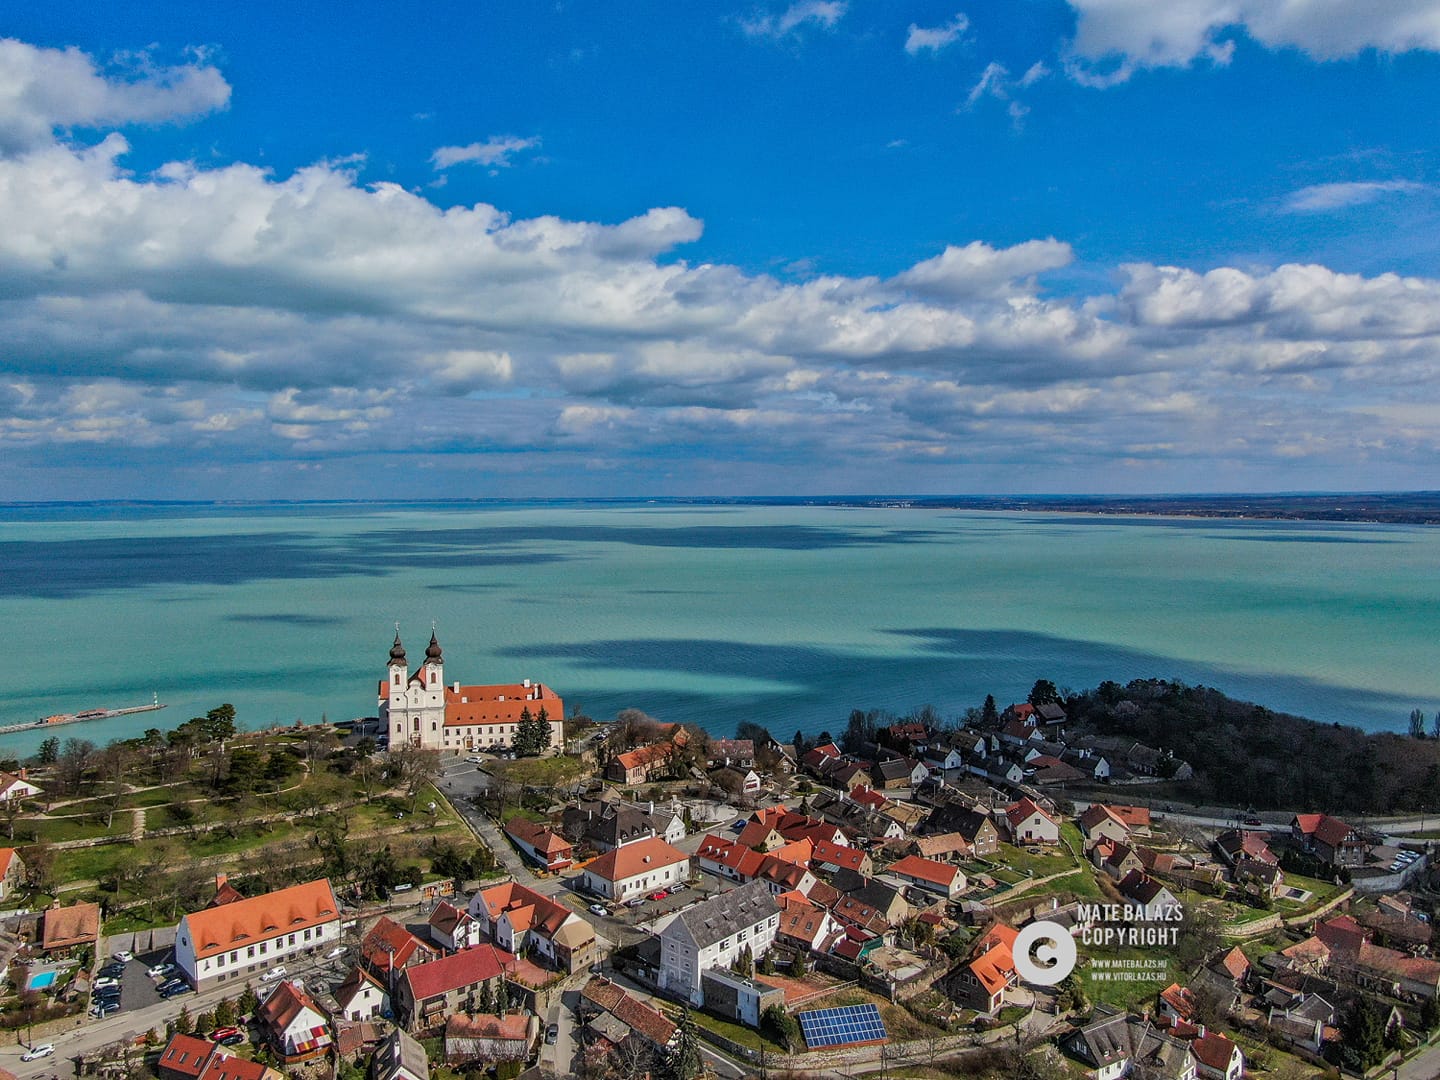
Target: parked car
<point>475,760</point>
<point>37,1052</point>
<point>680,885</point>
<point>123,956</point>
<point>112,971</point>
<point>228,1036</point>
<point>599,909</point>
<point>635,901</point>
<point>102,1009</point>
<point>175,990</point>
<point>277,972</point>
<point>1254,823</point>
<point>738,825</point>
<point>102,983</point>
<point>552,1033</point>
<point>659,894</point>
<point>404,886</point>
<point>338,950</point>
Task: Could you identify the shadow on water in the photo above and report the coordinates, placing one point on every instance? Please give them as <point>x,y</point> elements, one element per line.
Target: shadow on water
<point>814,688</point>
<point>288,619</point>
<point>55,569</point>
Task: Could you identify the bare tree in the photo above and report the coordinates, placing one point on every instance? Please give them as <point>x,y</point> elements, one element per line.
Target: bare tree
<point>414,767</point>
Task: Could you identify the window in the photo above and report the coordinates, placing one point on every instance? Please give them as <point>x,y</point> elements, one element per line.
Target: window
<point>292,940</point>
<point>307,935</point>
<point>263,946</point>
<point>250,953</point>
<point>234,957</point>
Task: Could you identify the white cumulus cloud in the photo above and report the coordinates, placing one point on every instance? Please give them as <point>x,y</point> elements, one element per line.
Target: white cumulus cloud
<point>1320,198</point>
<point>495,151</point>
<point>45,89</point>
<point>1115,38</point>
<point>934,38</point>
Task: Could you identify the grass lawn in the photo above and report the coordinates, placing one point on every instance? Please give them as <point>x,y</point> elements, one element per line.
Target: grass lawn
<point>1052,860</point>
<point>540,772</point>
<point>1120,986</point>
<point>91,864</point>
<point>737,1033</point>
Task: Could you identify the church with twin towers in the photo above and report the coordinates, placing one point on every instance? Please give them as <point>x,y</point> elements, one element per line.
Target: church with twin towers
<point>421,709</point>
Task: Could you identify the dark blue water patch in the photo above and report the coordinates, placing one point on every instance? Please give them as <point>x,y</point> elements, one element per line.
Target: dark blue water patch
<point>473,587</point>
<point>951,669</point>
<point>62,569</point>
<point>405,544</point>
<point>289,619</point>
<point>1292,538</point>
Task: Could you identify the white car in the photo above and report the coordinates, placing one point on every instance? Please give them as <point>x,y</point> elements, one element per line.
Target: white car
<point>338,950</point>
<point>273,974</point>
<point>599,909</point>
<point>124,956</point>
<point>102,982</point>
<point>36,1052</point>
<point>158,970</point>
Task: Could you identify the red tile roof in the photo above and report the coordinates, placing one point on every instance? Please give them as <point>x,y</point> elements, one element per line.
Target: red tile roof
<point>1017,812</point>
<point>1332,831</point>
<point>186,1055</point>
<point>1214,1051</point>
<point>994,964</point>
<point>78,924</point>
<point>514,1026</point>
<point>464,968</point>
<point>633,859</point>
<point>843,856</point>
<point>913,866</point>
<point>225,1066</point>
<point>258,918</point>
<point>538,836</point>
<point>527,909</point>
<point>284,1004</point>
<point>1136,817</point>
<point>389,946</point>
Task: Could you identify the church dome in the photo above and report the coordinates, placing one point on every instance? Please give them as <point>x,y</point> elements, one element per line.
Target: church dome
<point>432,651</point>
<point>397,651</point>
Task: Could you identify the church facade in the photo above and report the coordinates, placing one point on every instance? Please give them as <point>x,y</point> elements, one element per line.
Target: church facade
<point>420,709</point>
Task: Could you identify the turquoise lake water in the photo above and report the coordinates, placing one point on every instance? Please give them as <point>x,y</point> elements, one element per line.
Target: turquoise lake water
<point>789,616</point>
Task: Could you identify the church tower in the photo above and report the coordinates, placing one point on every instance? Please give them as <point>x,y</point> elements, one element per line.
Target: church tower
<point>412,707</point>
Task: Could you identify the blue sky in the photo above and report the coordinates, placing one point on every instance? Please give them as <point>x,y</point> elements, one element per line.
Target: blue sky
<point>830,247</point>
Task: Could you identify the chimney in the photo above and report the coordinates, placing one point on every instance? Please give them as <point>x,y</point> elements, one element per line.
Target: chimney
<point>457,686</point>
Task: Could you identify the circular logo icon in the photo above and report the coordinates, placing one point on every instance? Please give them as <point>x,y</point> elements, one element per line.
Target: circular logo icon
<point>1052,946</point>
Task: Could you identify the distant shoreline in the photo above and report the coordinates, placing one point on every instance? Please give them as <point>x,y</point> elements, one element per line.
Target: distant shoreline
<point>1367,508</point>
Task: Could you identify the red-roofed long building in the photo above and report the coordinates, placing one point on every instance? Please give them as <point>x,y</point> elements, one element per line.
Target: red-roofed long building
<point>243,938</point>
<point>428,993</point>
<point>421,710</point>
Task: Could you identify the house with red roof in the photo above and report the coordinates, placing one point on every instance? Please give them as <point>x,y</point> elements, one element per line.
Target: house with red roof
<point>636,869</point>
<point>75,926</point>
<point>540,844</point>
<point>1028,824</point>
<point>472,1039</point>
<point>188,1058</point>
<point>1217,1058</point>
<point>639,765</point>
<point>802,922</point>
<point>425,995</point>
<point>1155,901</point>
<point>1236,844</point>
<point>241,939</point>
<point>296,1028</point>
<point>831,858</point>
<point>388,949</point>
<point>938,877</point>
<point>12,871</point>
<point>1099,822</point>
<point>1329,838</point>
<point>517,918</point>
<point>981,985</point>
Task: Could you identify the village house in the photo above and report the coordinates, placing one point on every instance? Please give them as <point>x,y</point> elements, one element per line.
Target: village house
<point>1244,843</point>
<point>294,1025</point>
<point>388,949</point>
<point>188,1058</point>
<point>1117,860</point>
<point>640,765</point>
<point>1266,878</point>
<point>399,1057</point>
<point>737,997</point>
<point>990,972</point>
<point>12,871</point>
<point>14,786</point>
<point>612,1014</point>
<point>483,1038</point>
<point>1217,1058</point>
<point>421,710</point>
<point>1303,1020</point>
<point>976,827</point>
<point>427,993</point>
<point>636,869</point>
<point>242,938</point>
<point>831,858</point>
<point>898,772</point>
<point>713,933</point>
<point>539,844</point>
<point>938,877</point>
<point>1150,895</point>
<point>361,997</point>
<point>452,928</point>
<point>1329,839</point>
<point>736,753</point>
<point>803,923</point>
<point>946,847</point>
<point>1119,1045</point>
<point>1099,822</point>
<point>1028,824</point>
<point>63,929</point>
<point>739,781</point>
<point>517,918</point>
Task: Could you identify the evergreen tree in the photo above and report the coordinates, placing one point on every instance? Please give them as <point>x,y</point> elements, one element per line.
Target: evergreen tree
<point>1364,1035</point>
<point>988,714</point>
<point>1435,727</point>
<point>183,1023</point>
<point>1043,693</point>
<point>249,1001</point>
<point>1430,1014</point>
<point>532,733</point>
<point>683,1061</point>
<point>487,999</point>
<point>225,1014</point>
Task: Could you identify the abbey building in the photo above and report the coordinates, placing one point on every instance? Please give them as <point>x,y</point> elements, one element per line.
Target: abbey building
<point>420,709</point>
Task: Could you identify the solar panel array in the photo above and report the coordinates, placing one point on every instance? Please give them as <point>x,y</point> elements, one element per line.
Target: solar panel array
<point>842,1026</point>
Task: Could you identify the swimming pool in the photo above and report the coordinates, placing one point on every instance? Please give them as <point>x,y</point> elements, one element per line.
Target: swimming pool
<point>41,980</point>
